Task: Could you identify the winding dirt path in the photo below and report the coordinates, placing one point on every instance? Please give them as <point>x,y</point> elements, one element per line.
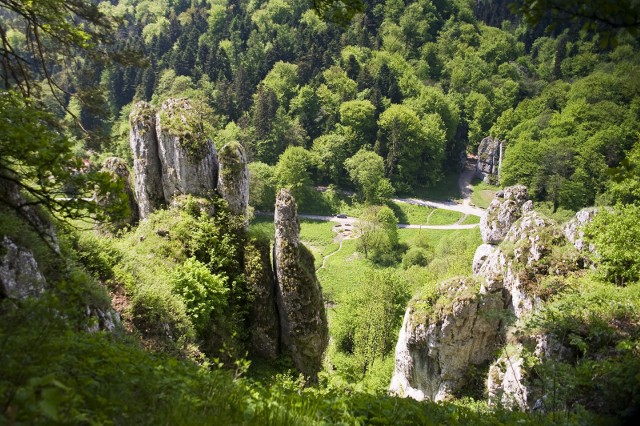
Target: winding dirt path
<point>324,259</point>
<point>465,207</point>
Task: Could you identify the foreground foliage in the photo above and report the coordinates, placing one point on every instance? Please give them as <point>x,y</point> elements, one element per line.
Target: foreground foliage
<point>81,378</point>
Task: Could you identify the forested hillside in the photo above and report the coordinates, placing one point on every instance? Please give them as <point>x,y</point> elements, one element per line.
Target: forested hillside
<point>170,174</point>
<point>418,85</point>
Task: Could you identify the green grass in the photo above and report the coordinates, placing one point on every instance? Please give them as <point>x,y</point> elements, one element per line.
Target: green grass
<point>344,272</point>
<point>318,236</point>
<point>433,237</point>
<point>263,226</point>
<point>471,219</point>
<point>444,217</point>
<point>329,203</point>
<point>410,213</point>
<point>482,193</point>
<point>422,215</point>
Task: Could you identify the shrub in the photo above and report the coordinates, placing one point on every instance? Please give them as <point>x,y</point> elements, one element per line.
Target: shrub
<point>616,235</point>
<point>202,292</point>
<point>416,256</point>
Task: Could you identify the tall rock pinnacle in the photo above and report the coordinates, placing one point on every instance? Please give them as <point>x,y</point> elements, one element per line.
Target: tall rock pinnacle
<point>303,318</point>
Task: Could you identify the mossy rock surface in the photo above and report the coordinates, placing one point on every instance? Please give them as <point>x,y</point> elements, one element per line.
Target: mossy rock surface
<point>180,119</point>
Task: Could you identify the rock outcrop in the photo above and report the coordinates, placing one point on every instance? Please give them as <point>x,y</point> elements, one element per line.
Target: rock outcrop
<point>188,157</point>
<point>530,240</point>
<point>503,211</point>
<point>233,179</point>
<point>147,170</point>
<point>489,160</point>
<point>463,325</point>
<point>21,278</point>
<point>118,169</point>
<point>481,255</point>
<point>574,229</point>
<point>19,274</point>
<point>505,380</point>
<point>433,355</point>
<point>172,155</point>
<point>303,319</point>
<point>173,158</point>
<point>264,323</point>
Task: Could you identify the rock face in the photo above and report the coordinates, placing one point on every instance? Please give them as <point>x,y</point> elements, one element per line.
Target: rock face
<point>21,278</point>
<point>264,323</point>
<point>531,239</point>
<point>118,169</point>
<point>101,319</point>
<point>503,211</point>
<point>505,381</point>
<point>489,159</point>
<point>480,257</point>
<point>303,319</point>
<point>19,274</point>
<point>573,229</point>
<point>233,179</point>
<point>147,169</point>
<point>188,158</point>
<point>172,155</point>
<point>433,357</point>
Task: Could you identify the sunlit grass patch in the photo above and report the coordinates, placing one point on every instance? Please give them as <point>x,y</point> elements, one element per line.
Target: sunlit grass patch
<point>470,219</point>
<point>482,193</point>
<point>411,213</point>
<point>444,217</point>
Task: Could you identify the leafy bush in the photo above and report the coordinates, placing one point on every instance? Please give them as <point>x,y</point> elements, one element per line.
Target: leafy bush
<point>203,293</point>
<point>616,235</point>
<point>416,256</point>
<point>596,325</point>
<point>368,321</point>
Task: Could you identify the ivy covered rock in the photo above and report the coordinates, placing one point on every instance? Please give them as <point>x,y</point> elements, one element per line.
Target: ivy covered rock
<point>503,211</point>
<point>20,276</point>
<point>303,319</point>
<point>489,159</point>
<point>442,338</point>
<point>264,323</point>
<point>147,169</point>
<point>233,179</point>
<point>119,171</point>
<point>188,157</point>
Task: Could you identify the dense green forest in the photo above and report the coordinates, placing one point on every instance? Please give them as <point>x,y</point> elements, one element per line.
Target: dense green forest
<point>127,316</point>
